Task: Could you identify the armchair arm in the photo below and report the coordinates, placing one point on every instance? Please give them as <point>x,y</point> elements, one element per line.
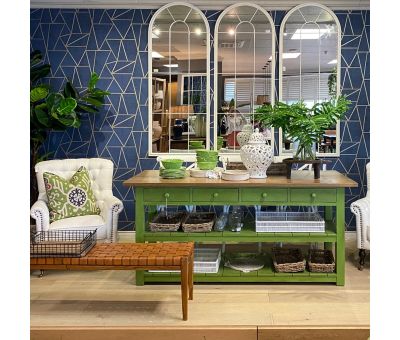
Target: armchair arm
<point>40,212</point>
<point>110,208</point>
<point>361,209</point>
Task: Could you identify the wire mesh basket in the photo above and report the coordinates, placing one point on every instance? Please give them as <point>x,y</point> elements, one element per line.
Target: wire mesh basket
<point>62,243</point>
<point>206,260</point>
<point>281,222</point>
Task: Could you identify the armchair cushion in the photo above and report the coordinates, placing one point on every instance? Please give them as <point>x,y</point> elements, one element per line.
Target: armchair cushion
<point>70,198</point>
<point>87,222</point>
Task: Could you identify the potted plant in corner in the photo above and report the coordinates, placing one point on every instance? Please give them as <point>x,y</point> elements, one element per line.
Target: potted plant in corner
<point>51,110</point>
<point>304,125</point>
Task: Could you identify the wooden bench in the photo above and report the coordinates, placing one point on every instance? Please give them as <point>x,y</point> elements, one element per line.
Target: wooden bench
<point>127,256</point>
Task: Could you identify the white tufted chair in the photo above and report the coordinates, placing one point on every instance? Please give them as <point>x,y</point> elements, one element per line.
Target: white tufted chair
<point>361,209</point>
<point>101,175</point>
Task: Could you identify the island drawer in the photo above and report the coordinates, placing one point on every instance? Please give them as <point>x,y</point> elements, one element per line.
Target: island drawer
<point>263,195</point>
<point>169,194</point>
<point>312,196</point>
<point>215,195</point>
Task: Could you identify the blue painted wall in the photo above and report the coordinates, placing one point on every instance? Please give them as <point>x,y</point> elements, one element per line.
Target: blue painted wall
<point>113,43</point>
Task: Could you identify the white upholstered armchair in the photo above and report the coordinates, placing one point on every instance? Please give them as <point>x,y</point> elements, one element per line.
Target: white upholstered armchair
<point>101,175</point>
<point>361,209</point>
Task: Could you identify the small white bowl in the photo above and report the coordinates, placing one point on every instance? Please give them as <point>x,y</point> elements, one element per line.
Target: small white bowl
<point>235,175</point>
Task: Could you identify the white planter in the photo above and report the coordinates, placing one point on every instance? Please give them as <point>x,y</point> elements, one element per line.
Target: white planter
<point>256,155</point>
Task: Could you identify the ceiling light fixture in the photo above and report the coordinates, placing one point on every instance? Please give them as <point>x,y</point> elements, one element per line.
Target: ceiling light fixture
<point>197,31</point>
<point>333,61</point>
<point>171,65</point>
<point>155,54</point>
<point>291,55</point>
<point>231,31</point>
<point>309,33</point>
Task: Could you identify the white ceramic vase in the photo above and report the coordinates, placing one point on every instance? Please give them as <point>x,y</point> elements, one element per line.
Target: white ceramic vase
<point>256,155</point>
<point>157,129</point>
<point>244,136</point>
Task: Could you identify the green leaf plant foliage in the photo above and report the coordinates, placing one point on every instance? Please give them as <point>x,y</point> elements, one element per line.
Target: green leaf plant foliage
<point>304,125</point>
<point>50,110</point>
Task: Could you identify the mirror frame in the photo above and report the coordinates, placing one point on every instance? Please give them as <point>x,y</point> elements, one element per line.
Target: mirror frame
<point>338,82</point>
<point>189,156</point>
<point>235,156</point>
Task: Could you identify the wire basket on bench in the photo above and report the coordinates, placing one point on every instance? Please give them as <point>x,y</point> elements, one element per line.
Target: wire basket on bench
<point>62,243</point>
<point>198,222</point>
<point>321,261</point>
<point>167,222</point>
<point>288,260</point>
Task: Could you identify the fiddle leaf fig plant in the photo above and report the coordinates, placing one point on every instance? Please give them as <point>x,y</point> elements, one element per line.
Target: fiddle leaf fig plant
<point>51,110</point>
<point>304,125</point>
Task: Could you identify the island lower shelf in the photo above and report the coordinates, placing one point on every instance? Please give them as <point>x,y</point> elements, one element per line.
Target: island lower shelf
<point>266,274</point>
<point>248,234</point>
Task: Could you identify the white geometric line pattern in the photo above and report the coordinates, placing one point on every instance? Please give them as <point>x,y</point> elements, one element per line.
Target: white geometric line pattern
<point>113,43</point>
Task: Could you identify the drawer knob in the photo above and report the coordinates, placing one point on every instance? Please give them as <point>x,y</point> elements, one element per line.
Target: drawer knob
<point>313,195</point>
<point>215,194</point>
<point>166,195</point>
<point>264,195</point>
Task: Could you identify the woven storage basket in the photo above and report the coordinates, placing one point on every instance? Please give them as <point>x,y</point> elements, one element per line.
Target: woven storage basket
<point>159,224</point>
<point>198,222</point>
<point>321,261</point>
<point>289,260</point>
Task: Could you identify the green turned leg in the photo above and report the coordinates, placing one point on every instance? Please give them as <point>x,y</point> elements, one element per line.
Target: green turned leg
<point>139,228</point>
<point>328,217</point>
<point>340,244</point>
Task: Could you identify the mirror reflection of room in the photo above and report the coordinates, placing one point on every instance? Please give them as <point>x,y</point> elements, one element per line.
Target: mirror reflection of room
<point>179,80</point>
<point>244,72</point>
<point>309,71</point>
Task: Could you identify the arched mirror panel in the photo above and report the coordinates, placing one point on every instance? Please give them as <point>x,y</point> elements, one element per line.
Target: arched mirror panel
<point>179,107</point>
<point>309,67</point>
<point>244,54</point>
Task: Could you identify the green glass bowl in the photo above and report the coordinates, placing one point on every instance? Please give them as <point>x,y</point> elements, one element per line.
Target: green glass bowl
<point>207,153</point>
<point>206,165</point>
<point>196,142</point>
<point>206,159</point>
<point>172,163</point>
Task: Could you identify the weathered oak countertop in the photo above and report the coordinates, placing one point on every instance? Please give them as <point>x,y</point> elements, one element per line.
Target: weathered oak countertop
<point>328,179</point>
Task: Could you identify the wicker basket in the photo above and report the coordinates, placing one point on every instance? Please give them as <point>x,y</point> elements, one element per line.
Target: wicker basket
<point>160,225</point>
<point>321,261</point>
<point>289,260</point>
<point>198,222</point>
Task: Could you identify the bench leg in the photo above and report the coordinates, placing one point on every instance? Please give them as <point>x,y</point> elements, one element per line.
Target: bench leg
<point>184,286</point>
<point>191,267</point>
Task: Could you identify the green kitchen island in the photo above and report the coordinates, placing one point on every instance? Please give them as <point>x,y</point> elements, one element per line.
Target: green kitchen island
<point>301,190</point>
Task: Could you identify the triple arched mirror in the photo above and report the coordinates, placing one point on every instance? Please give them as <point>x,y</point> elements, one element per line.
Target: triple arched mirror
<point>244,74</point>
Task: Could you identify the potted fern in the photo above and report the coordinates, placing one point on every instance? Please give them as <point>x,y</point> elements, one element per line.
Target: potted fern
<point>304,125</point>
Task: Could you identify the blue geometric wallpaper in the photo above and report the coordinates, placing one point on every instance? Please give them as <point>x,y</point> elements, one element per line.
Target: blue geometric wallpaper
<point>113,43</point>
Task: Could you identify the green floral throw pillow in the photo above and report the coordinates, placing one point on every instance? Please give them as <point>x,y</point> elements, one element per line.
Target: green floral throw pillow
<point>70,198</point>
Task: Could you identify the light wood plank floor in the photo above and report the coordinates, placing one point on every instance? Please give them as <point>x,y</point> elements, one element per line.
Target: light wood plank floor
<point>110,298</point>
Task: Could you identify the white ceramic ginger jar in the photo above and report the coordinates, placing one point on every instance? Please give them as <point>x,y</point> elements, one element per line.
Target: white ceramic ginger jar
<point>256,155</point>
<point>244,136</point>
